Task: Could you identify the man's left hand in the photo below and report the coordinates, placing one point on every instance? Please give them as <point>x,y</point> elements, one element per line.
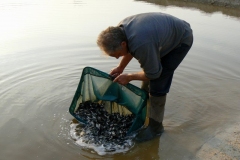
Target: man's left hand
<point>123,79</point>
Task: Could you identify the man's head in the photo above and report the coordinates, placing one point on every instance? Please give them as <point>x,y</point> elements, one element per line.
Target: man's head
<point>113,42</point>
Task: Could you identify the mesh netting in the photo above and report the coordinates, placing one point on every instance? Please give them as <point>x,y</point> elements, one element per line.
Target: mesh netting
<point>97,86</point>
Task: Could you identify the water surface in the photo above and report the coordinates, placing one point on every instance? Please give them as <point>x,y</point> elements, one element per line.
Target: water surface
<point>44,45</point>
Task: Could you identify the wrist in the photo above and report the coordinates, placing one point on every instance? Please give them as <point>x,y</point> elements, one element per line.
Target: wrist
<point>130,77</point>
<point>121,68</point>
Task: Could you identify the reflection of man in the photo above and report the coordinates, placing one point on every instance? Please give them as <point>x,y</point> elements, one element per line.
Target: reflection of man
<point>159,42</point>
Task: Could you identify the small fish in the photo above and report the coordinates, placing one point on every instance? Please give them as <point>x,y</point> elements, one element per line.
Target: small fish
<point>103,127</point>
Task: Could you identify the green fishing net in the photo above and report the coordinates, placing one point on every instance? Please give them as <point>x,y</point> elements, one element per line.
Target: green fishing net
<point>97,86</point>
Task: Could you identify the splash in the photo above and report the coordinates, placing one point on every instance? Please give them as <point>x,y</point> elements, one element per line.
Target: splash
<point>77,132</point>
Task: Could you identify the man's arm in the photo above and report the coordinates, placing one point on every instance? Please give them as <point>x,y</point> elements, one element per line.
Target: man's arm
<point>125,60</point>
<point>126,78</point>
<point>123,63</point>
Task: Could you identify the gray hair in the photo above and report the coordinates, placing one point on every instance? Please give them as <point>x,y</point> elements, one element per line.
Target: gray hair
<point>110,39</point>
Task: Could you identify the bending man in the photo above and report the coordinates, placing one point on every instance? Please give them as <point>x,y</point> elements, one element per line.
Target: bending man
<point>159,42</point>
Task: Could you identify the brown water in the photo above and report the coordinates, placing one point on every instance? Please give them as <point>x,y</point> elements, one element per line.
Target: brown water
<point>44,45</point>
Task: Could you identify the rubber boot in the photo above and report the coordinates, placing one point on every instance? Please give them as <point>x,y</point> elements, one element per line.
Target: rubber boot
<point>157,107</point>
<point>153,130</point>
<point>155,127</point>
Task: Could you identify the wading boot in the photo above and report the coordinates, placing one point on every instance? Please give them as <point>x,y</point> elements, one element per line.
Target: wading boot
<point>156,113</point>
<point>153,130</point>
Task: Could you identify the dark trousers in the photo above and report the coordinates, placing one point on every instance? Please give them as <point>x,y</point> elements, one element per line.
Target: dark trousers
<point>161,85</point>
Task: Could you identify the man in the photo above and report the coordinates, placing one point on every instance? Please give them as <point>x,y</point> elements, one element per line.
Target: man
<point>159,42</point>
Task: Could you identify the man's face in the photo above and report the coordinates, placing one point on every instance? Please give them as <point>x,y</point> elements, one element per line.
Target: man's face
<point>121,52</point>
<point>118,54</point>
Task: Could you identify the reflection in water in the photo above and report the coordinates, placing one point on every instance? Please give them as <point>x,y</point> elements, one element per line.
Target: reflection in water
<point>143,151</point>
<point>207,8</point>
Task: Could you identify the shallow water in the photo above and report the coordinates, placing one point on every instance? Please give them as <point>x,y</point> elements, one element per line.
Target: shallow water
<point>45,45</point>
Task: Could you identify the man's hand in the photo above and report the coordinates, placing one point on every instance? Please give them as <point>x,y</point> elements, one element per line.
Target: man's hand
<point>116,71</point>
<point>119,69</point>
<point>123,79</point>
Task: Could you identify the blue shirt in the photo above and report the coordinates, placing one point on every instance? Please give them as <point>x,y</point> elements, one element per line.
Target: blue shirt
<point>151,36</point>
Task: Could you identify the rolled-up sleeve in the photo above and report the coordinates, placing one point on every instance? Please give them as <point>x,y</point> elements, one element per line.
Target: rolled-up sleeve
<point>149,59</point>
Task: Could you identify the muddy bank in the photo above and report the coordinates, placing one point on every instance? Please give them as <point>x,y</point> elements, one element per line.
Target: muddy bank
<point>224,145</point>
<point>225,3</point>
<point>222,3</point>
<point>227,7</point>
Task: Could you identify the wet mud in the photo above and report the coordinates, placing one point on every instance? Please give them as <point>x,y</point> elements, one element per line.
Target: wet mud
<point>227,7</point>
<point>222,3</point>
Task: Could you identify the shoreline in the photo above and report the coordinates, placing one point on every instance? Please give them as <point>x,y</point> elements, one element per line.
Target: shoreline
<point>217,3</point>
<point>224,145</point>
<point>226,7</point>
<point>222,3</point>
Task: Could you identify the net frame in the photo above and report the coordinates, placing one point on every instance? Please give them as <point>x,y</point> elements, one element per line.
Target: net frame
<point>97,86</point>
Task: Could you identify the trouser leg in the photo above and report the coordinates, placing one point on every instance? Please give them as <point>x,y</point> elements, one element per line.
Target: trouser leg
<point>161,85</point>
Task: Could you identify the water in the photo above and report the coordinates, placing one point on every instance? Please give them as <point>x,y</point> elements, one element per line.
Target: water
<point>44,45</point>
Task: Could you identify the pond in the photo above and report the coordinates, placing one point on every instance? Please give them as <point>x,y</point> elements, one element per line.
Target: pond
<point>44,46</point>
